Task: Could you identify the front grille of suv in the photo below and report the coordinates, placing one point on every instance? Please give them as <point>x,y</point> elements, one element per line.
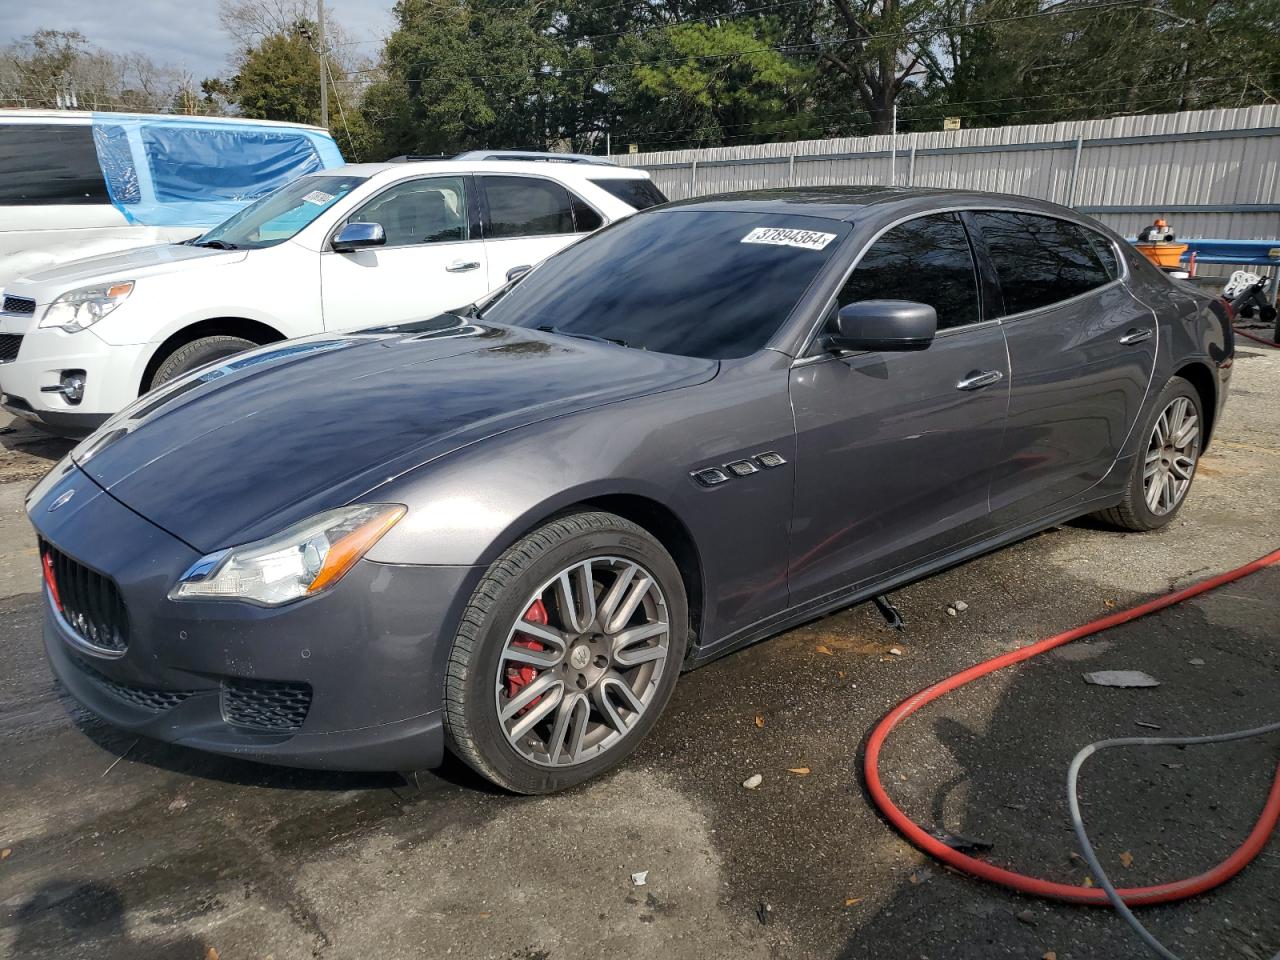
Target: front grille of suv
<point>89,602</point>
<point>9,344</point>
<point>266,705</point>
<point>21,305</point>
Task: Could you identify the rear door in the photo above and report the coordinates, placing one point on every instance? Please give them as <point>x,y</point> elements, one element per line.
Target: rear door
<point>433,260</point>
<point>895,451</point>
<point>528,218</point>
<point>1082,351</point>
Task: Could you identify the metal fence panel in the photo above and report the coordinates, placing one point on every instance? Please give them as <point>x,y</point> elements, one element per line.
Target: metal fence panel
<point>1209,172</point>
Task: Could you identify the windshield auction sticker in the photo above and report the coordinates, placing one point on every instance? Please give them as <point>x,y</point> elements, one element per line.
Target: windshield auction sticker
<point>318,197</point>
<point>788,237</point>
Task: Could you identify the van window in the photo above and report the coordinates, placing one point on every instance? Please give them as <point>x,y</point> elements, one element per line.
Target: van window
<point>43,164</point>
<point>197,163</point>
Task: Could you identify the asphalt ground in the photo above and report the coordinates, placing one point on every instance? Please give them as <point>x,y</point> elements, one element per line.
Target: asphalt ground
<point>112,847</point>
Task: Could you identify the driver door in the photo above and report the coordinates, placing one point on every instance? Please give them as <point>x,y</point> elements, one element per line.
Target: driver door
<point>433,260</point>
<point>895,450</point>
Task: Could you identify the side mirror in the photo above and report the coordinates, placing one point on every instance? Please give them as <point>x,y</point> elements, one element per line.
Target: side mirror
<point>883,325</point>
<point>357,236</point>
<point>515,273</point>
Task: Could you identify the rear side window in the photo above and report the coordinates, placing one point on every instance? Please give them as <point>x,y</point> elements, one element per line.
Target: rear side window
<point>637,193</point>
<point>1105,251</point>
<point>43,164</point>
<point>197,163</point>
<point>526,207</point>
<point>1040,260</point>
<point>927,260</point>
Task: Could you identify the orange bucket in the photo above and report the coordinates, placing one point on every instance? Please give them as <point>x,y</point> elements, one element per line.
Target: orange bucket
<point>1162,254</point>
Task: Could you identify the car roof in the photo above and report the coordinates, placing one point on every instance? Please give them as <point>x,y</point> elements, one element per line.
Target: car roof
<point>857,202</point>
<point>559,171</point>
<point>87,116</point>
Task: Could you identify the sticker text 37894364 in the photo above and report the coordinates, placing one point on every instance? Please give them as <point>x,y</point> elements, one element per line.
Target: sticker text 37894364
<point>789,237</point>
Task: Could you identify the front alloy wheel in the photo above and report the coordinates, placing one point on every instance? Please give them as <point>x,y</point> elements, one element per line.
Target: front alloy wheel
<point>567,653</point>
<point>583,662</point>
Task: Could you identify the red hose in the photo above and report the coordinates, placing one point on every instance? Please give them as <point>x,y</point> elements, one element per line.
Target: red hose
<point>1134,896</point>
<point>1269,343</point>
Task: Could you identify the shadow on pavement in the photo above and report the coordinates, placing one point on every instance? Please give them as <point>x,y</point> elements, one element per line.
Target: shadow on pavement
<point>63,915</point>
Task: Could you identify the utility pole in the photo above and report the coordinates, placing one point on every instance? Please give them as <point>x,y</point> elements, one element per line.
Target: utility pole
<point>324,68</point>
<point>893,148</point>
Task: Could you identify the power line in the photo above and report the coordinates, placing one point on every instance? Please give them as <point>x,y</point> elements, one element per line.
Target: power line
<point>944,108</point>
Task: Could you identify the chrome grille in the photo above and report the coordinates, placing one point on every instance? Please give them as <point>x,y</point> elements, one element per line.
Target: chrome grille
<point>89,602</point>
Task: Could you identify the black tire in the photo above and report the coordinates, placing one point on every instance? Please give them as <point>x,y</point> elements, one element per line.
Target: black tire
<point>196,354</point>
<point>475,732</point>
<point>1133,512</point>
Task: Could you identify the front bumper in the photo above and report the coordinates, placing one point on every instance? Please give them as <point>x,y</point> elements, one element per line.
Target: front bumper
<point>112,376</point>
<point>363,662</point>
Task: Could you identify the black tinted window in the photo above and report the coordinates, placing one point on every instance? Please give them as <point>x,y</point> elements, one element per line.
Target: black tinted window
<point>526,207</point>
<point>694,283</point>
<point>927,260</point>
<point>1105,251</point>
<point>640,194</point>
<point>49,163</point>
<point>585,219</point>
<point>1039,260</point>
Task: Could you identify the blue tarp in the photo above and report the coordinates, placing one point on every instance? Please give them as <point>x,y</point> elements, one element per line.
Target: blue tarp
<point>189,171</point>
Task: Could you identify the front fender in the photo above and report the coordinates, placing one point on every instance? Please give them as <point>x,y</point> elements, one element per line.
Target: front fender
<point>465,509</point>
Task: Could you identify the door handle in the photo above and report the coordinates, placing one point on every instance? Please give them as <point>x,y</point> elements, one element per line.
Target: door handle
<point>976,381</point>
<point>1136,335</point>
<point>462,266</point>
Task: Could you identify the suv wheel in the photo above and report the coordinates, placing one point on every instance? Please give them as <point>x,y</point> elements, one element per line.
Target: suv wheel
<point>196,354</point>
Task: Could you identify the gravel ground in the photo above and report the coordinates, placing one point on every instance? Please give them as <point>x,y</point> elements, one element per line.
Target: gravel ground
<point>124,849</point>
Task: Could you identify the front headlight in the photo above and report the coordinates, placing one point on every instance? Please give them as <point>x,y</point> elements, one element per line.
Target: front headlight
<point>78,309</point>
<point>297,562</point>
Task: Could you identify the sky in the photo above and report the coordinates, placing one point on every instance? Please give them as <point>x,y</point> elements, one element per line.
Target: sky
<point>179,33</point>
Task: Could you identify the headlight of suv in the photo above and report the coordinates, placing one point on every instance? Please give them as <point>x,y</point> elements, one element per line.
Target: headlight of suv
<point>301,560</point>
<point>78,309</point>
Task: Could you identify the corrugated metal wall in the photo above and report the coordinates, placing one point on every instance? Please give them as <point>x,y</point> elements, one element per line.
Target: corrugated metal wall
<point>1211,173</point>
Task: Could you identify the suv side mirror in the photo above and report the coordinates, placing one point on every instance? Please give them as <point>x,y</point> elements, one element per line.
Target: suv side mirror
<point>515,273</point>
<point>883,325</point>
<point>357,236</point>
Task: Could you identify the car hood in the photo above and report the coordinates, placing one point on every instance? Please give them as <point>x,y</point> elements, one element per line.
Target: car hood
<point>237,451</point>
<point>44,285</point>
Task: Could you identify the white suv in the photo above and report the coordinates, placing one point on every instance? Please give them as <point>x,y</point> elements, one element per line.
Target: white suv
<point>361,245</point>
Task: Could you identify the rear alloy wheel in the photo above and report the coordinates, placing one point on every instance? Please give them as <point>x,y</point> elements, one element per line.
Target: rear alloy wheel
<point>568,652</point>
<point>1161,475</point>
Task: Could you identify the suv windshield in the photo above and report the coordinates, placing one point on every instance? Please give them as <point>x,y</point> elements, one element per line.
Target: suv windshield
<point>278,216</point>
<point>689,282</point>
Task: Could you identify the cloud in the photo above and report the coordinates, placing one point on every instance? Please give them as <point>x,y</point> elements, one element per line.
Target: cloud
<point>176,33</point>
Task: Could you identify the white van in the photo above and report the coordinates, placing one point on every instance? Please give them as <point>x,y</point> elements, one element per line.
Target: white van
<point>76,184</point>
<point>364,245</point>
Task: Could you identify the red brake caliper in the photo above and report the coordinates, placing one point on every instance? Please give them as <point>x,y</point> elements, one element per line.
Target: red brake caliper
<point>523,675</point>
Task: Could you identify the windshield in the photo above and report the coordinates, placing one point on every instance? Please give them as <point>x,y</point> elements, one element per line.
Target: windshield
<point>689,282</point>
<point>278,216</point>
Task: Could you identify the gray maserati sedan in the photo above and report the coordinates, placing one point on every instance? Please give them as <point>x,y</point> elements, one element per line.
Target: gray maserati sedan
<point>506,531</point>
